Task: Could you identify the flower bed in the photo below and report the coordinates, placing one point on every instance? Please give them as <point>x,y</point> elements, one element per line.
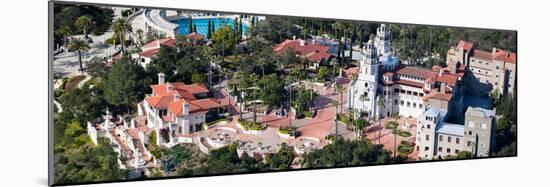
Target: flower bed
<point>392,125</point>
<point>251,127</point>
<point>287,132</point>
<point>405,148</point>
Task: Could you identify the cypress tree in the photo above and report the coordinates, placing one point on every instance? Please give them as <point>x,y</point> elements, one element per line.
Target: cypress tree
<point>190,28</point>
<point>213,28</point>
<point>194,28</point>
<point>209,30</point>
<point>240,27</point>
<point>235,27</point>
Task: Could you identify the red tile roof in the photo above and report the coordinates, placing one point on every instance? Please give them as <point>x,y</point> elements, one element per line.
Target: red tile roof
<point>195,106</point>
<point>150,53</point>
<point>415,72</point>
<point>483,55</point>
<point>313,52</point>
<point>505,56</point>
<point>183,89</point>
<point>159,101</point>
<point>163,98</point>
<point>195,36</point>
<point>449,79</point>
<point>500,55</point>
<point>169,42</point>
<point>465,45</point>
<point>409,83</point>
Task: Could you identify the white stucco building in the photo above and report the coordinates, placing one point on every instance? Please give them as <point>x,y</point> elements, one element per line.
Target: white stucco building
<point>175,110</point>
<point>401,89</point>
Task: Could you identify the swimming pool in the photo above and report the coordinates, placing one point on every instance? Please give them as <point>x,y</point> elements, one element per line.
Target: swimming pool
<point>202,24</point>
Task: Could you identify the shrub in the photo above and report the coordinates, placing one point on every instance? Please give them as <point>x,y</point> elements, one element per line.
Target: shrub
<point>308,114</point>
<point>251,125</point>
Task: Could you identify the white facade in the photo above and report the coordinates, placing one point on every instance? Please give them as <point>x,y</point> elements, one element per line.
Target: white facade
<point>365,90</point>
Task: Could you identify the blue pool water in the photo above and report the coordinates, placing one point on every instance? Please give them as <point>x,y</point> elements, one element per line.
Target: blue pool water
<point>202,25</point>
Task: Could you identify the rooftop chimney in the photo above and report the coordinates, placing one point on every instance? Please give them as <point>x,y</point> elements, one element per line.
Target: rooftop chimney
<point>302,42</point>
<point>494,50</point>
<point>161,77</point>
<point>169,87</point>
<point>293,37</point>
<point>441,70</point>
<point>442,88</point>
<point>158,44</point>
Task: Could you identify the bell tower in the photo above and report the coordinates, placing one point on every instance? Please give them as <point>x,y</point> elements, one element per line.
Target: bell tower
<point>383,40</point>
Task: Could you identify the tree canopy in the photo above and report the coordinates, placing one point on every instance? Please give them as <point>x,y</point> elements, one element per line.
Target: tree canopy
<point>124,83</point>
<point>346,153</point>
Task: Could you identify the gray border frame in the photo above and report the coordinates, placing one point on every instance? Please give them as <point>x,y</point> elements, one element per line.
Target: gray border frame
<point>51,160</point>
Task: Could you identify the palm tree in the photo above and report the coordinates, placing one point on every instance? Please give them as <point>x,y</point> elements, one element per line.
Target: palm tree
<point>359,125</point>
<point>340,89</point>
<point>79,46</point>
<point>380,104</point>
<point>65,31</point>
<point>139,33</point>
<point>121,27</point>
<point>254,79</point>
<point>394,132</point>
<point>84,23</point>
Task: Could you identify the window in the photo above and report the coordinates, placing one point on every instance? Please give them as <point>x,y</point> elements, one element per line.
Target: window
<point>471,124</point>
<point>366,85</point>
<point>427,137</point>
<point>402,91</point>
<point>487,81</point>
<point>449,139</point>
<point>456,151</point>
<point>440,138</point>
<point>414,105</point>
<point>448,150</point>
<point>497,67</point>
<point>421,94</point>
<point>483,126</point>
<point>496,75</point>
<point>457,140</point>
<point>419,105</point>
<point>396,90</point>
<point>409,93</point>
<point>402,103</point>
<point>426,148</point>
<point>396,102</point>
<point>428,126</point>
<point>469,132</point>
<point>415,93</point>
<point>439,149</point>
<point>408,104</point>
<point>469,143</point>
<point>496,83</point>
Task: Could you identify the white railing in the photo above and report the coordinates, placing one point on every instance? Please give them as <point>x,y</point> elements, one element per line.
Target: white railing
<point>154,19</point>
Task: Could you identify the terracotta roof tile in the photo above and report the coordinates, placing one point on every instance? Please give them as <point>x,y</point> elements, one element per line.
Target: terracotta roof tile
<point>169,42</point>
<point>465,45</point>
<point>313,52</point>
<point>195,36</point>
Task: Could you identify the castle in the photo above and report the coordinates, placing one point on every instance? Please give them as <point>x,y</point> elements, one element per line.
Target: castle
<point>437,97</point>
